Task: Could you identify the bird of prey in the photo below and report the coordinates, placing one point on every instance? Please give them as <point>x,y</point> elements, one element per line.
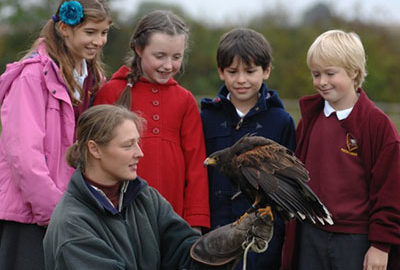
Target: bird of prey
<point>270,175</point>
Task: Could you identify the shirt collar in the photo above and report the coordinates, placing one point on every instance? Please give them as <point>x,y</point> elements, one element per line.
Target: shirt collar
<point>342,114</point>
<point>105,201</point>
<point>240,114</point>
<point>80,78</point>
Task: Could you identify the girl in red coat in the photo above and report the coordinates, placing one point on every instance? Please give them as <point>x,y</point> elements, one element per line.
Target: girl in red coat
<point>173,142</point>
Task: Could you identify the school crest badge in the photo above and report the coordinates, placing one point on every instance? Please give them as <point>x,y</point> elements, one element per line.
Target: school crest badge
<point>351,145</point>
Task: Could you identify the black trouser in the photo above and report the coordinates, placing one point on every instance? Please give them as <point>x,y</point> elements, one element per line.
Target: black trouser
<point>21,246</point>
<point>321,250</point>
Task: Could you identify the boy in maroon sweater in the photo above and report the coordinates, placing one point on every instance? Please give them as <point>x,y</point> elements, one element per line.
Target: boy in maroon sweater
<point>352,151</point>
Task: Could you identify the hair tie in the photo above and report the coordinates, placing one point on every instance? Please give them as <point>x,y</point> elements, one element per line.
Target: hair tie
<point>55,18</point>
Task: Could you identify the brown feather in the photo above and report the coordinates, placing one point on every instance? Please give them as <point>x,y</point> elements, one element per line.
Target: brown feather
<point>262,167</point>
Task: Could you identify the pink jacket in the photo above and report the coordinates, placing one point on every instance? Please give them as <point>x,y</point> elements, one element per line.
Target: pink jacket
<point>38,125</point>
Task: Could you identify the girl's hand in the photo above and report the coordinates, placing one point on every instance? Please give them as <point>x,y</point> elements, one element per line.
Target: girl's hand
<point>375,259</point>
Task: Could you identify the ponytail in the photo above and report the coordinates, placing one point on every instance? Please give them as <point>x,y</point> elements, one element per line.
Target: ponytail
<point>125,99</point>
<point>73,155</point>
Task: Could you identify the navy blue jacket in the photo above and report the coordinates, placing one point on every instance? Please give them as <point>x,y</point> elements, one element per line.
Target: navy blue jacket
<point>222,128</point>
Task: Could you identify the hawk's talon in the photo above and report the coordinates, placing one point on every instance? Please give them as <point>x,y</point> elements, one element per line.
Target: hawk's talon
<point>240,219</point>
<point>267,211</point>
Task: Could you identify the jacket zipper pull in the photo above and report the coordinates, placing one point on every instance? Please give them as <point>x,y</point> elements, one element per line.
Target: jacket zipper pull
<point>239,124</point>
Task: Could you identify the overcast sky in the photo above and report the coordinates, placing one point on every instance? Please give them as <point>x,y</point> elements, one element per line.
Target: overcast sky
<point>218,11</point>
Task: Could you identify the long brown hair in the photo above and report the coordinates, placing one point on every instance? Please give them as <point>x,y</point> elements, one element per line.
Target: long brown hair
<point>158,21</point>
<point>98,123</point>
<point>93,10</point>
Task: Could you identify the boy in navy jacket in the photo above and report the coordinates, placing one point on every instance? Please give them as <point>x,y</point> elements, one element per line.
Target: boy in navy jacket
<point>244,105</point>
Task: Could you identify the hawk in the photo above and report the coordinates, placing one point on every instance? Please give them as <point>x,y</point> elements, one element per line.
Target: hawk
<point>270,175</point>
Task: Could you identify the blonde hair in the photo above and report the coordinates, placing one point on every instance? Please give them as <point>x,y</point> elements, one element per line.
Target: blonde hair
<point>98,123</point>
<point>93,10</point>
<point>338,48</point>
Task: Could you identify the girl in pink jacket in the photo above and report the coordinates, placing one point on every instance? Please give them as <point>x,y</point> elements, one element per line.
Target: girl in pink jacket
<point>41,97</point>
<point>173,143</point>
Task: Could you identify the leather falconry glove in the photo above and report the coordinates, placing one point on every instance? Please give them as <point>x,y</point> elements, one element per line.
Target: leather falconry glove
<point>223,245</point>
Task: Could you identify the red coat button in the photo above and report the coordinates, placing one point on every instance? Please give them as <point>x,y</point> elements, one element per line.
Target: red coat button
<point>156,131</point>
<point>156,102</point>
<point>154,90</point>
<point>156,117</point>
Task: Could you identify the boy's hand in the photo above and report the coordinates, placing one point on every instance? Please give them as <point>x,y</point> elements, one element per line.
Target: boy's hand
<point>375,259</point>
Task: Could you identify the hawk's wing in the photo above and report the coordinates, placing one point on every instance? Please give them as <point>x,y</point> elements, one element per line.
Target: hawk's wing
<point>282,178</point>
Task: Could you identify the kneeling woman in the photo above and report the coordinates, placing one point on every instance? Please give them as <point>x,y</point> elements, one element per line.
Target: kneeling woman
<point>109,218</point>
<point>104,221</point>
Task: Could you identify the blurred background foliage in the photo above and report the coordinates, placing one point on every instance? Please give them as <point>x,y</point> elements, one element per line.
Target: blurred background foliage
<point>21,21</point>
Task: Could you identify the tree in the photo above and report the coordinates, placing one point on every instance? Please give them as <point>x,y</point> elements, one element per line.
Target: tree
<point>21,22</point>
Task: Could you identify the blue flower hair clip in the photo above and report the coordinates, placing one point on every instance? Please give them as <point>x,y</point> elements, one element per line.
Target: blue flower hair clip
<point>70,13</point>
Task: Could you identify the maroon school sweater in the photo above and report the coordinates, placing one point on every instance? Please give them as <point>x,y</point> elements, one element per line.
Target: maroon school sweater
<point>337,175</point>
<point>379,149</point>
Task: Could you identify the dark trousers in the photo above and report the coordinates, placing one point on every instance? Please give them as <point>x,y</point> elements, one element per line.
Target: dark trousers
<point>321,250</point>
<point>21,246</point>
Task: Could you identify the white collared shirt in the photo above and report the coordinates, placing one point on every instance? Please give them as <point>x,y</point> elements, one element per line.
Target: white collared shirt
<point>237,111</point>
<point>80,79</point>
<point>343,114</point>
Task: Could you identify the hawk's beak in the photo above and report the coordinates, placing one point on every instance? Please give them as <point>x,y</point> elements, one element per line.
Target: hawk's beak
<point>209,161</point>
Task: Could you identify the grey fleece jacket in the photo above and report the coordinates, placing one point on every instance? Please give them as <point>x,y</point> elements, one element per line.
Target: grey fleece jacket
<point>86,232</point>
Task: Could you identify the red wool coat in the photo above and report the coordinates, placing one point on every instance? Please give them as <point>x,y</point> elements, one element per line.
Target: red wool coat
<point>173,143</point>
